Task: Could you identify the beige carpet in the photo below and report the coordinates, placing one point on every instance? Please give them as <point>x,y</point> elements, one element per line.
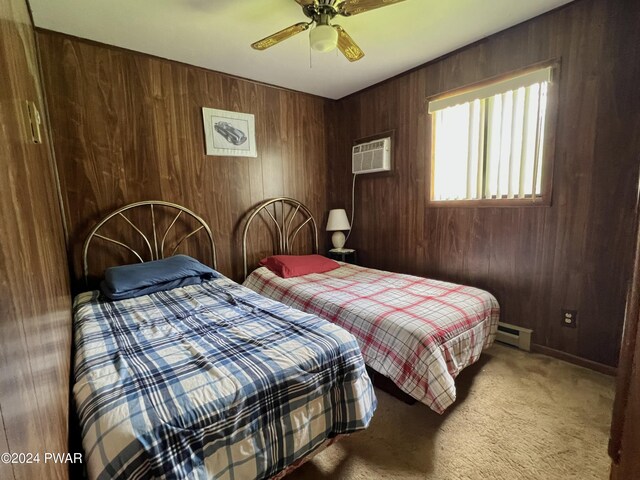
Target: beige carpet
<point>517,416</point>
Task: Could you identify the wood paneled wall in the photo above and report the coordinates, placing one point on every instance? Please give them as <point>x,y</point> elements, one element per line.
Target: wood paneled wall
<point>128,127</point>
<point>35,305</point>
<point>575,254</point>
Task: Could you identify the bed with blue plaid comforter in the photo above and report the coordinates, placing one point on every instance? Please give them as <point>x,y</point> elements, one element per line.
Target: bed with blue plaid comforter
<point>210,381</point>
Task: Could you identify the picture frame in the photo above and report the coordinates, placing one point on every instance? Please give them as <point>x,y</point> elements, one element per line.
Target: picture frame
<point>227,133</point>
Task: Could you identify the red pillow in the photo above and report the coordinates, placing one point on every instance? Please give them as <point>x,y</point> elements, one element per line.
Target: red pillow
<point>287,266</point>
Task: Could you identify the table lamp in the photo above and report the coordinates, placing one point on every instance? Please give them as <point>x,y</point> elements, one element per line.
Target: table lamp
<point>337,223</point>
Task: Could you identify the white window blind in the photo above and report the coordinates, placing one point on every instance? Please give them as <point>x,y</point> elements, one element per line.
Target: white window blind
<point>513,83</point>
<point>488,141</point>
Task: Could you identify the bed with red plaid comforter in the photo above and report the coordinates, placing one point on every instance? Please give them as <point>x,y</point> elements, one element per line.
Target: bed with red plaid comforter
<point>418,332</point>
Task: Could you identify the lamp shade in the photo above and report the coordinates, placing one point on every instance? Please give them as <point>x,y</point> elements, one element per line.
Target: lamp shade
<point>323,38</point>
<point>338,220</point>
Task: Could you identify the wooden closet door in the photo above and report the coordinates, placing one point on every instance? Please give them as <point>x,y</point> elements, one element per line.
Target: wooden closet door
<point>35,303</point>
<point>624,444</point>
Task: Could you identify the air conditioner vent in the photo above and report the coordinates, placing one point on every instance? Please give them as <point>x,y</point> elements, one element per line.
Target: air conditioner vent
<point>374,156</point>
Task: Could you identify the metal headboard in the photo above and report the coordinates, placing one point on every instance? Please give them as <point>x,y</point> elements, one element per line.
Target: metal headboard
<point>283,224</point>
<point>156,251</point>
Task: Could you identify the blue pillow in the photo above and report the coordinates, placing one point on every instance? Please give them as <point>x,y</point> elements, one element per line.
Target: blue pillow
<point>129,281</point>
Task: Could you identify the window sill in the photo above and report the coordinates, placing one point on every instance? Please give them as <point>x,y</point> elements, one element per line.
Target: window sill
<point>494,203</point>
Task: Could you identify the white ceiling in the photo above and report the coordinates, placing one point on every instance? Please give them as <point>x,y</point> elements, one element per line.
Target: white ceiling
<point>216,34</point>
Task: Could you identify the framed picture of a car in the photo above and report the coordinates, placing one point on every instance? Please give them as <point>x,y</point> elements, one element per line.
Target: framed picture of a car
<point>229,133</point>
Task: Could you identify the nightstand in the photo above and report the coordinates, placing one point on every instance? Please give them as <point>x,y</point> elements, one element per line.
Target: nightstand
<point>347,255</point>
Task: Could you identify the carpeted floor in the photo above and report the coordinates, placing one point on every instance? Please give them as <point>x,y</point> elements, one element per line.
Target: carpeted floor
<point>517,416</point>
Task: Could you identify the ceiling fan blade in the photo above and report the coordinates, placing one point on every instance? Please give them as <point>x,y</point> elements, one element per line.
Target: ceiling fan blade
<point>354,7</point>
<point>304,3</point>
<point>347,46</point>
<point>278,37</point>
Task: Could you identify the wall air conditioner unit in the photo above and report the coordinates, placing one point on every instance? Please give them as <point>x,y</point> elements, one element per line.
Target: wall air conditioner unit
<point>374,156</point>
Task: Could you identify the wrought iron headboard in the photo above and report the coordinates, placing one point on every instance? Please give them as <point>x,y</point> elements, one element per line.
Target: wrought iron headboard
<point>283,226</point>
<point>157,252</point>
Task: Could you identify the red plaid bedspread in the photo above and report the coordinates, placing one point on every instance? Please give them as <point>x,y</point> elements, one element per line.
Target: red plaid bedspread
<point>418,332</point>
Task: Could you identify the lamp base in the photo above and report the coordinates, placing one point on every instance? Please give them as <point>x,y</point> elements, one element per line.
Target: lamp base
<point>338,239</point>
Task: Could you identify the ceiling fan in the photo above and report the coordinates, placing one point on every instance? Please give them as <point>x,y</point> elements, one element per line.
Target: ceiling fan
<point>325,36</point>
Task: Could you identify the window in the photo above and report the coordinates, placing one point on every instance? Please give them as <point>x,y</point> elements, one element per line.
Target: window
<point>489,141</point>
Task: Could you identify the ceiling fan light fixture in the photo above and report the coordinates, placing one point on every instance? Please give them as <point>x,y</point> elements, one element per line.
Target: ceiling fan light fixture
<point>326,37</point>
<point>323,38</point>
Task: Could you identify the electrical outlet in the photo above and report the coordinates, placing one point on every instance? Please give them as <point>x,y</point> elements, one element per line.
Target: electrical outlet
<point>569,318</point>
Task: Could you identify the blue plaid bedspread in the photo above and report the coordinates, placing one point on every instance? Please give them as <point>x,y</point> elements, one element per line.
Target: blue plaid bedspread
<point>210,381</point>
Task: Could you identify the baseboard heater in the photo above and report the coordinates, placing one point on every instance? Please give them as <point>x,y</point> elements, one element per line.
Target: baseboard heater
<point>514,335</point>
